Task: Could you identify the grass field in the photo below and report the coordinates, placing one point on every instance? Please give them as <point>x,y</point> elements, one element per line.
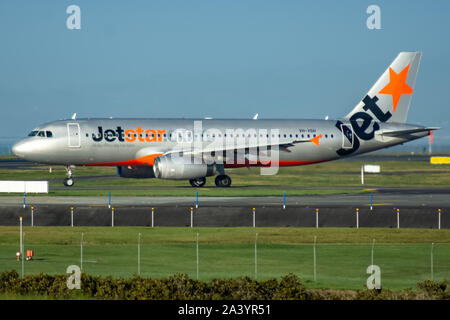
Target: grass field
<point>343,255</point>
<point>341,176</point>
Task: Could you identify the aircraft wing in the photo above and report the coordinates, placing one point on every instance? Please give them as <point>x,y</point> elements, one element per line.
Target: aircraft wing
<point>249,150</point>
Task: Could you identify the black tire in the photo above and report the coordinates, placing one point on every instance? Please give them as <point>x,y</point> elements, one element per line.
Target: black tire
<point>68,182</point>
<point>223,181</point>
<point>198,182</point>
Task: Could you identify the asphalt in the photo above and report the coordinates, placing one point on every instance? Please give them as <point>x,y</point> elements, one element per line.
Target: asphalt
<point>230,216</point>
<point>418,208</point>
<point>417,197</point>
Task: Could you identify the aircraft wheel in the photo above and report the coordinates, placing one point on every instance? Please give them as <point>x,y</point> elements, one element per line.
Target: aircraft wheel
<point>198,182</point>
<point>68,182</point>
<point>223,181</point>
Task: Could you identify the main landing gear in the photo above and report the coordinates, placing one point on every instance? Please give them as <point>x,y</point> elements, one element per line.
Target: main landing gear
<point>69,181</point>
<point>222,181</point>
<point>198,182</point>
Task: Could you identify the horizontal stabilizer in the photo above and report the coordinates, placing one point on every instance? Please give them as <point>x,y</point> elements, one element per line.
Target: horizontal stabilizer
<point>397,133</point>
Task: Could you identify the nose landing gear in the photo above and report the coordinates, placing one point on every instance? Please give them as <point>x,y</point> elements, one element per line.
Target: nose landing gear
<point>69,181</point>
<point>198,182</point>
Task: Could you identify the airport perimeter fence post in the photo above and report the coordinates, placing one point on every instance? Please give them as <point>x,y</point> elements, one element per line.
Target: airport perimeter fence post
<point>112,217</point>
<point>315,259</point>
<point>357,218</point>
<point>71,216</point>
<point>256,256</point>
<point>192,217</point>
<point>439,219</point>
<point>398,218</point>
<point>32,216</point>
<point>254,217</point>
<point>81,252</point>
<point>372,253</point>
<point>432,264</point>
<point>196,249</point>
<point>139,254</point>
<point>317,218</point>
<point>21,245</point>
<point>153,217</point>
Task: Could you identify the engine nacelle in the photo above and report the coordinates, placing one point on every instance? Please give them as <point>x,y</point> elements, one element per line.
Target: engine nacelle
<point>166,167</point>
<point>135,172</point>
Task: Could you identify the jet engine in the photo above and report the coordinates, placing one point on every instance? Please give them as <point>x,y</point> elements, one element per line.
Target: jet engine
<point>178,168</point>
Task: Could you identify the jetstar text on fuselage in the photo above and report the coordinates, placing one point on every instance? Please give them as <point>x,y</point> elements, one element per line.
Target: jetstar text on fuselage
<point>129,135</point>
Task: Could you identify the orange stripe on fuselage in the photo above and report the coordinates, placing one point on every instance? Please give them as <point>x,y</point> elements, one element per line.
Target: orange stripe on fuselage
<point>142,161</point>
<point>148,161</point>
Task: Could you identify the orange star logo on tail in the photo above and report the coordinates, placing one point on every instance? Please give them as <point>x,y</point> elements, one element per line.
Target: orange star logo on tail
<point>316,139</point>
<point>397,85</point>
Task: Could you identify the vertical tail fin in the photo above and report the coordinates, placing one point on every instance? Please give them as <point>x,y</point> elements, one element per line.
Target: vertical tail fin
<point>390,97</point>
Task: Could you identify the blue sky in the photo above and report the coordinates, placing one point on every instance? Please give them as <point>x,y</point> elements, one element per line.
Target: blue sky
<point>222,59</point>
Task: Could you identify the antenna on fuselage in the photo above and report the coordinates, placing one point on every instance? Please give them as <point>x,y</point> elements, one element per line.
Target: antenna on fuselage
<point>74,116</point>
<point>255,117</point>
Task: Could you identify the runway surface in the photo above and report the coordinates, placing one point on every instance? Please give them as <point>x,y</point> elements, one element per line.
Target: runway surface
<point>418,208</point>
<point>419,197</point>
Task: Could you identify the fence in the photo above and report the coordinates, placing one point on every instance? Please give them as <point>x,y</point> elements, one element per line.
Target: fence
<point>331,265</point>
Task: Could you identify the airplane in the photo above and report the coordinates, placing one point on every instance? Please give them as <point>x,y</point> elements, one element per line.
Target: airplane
<point>193,149</point>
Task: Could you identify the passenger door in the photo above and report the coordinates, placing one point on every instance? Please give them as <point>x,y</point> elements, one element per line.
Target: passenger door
<point>73,134</point>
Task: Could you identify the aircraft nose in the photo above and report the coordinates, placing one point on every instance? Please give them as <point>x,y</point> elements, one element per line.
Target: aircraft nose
<point>20,149</point>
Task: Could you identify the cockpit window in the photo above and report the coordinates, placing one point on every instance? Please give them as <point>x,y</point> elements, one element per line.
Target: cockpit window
<point>41,133</point>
